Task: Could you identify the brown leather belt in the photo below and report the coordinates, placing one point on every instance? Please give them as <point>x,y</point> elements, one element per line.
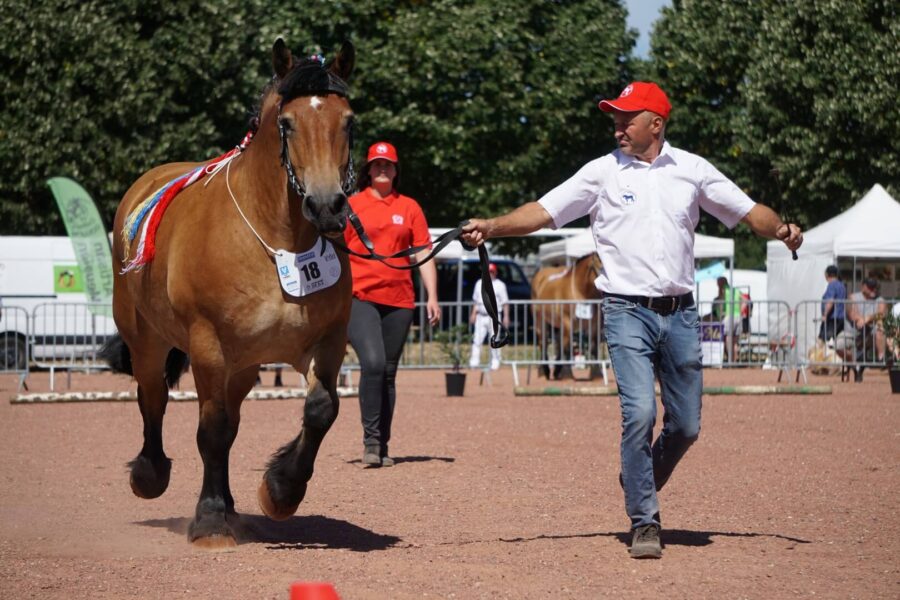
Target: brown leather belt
<point>664,305</point>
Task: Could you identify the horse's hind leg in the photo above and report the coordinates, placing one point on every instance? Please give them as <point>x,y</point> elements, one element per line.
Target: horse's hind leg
<point>284,483</point>
<point>150,469</point>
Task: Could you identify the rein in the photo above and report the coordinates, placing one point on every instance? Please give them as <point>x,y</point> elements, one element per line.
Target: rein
<point>500,335</point>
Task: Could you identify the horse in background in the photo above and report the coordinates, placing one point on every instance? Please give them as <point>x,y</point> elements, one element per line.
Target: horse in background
<point>558,322</point>
<point>214,286</point>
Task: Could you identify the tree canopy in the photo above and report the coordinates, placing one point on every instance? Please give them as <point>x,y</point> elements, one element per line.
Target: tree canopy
<point>489,102</point>
<point>794,101</point>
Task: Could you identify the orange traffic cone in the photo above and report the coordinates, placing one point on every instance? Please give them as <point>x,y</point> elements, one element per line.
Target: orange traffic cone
<point>313,590</point>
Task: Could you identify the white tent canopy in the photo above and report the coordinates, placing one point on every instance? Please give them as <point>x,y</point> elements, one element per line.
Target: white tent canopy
<point>563,251</point>
<point>869,229</point>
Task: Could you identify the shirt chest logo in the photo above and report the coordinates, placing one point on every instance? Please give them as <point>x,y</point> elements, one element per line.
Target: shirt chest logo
<point>628,197</point>
<point>397,219</point>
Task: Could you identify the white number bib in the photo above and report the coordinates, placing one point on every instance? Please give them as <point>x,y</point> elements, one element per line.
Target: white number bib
<point>308,272</point>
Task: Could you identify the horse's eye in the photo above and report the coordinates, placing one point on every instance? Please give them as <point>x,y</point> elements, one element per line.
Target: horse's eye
<point>286,125</point>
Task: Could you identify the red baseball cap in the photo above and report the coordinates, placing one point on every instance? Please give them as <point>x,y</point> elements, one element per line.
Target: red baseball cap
<point>382,150</point>
<point>639,95</point>
<point>492,268</point>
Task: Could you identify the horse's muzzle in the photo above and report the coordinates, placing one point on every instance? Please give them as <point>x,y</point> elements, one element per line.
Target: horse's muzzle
<point>328,215</point>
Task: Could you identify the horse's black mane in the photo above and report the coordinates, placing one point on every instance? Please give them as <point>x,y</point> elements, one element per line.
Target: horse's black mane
<point>308,78</point>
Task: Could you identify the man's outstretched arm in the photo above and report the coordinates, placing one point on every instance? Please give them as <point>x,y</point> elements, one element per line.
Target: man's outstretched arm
<point>766,223</point>
<point>523,220</point>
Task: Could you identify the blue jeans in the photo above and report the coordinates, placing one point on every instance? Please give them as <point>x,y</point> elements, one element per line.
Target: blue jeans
<point>644,345</point>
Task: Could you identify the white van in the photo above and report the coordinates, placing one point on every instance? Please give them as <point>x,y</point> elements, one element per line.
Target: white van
<point>44,312</point>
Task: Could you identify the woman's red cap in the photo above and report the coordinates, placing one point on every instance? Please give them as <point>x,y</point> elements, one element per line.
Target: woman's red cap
<point>382,150</point>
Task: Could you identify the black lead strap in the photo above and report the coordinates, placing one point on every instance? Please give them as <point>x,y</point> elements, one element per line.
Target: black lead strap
<point>500,337</point>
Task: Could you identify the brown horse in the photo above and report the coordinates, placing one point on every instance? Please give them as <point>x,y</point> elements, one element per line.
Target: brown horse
<point>212,290</point>
<point>555,321</point>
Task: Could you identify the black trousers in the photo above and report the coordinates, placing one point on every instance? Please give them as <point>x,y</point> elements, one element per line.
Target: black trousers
<point>830,328</point>
<point>377,333</point>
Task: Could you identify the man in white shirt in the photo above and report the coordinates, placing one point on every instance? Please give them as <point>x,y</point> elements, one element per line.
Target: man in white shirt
<point>482,320</point>
<point>644,202</point>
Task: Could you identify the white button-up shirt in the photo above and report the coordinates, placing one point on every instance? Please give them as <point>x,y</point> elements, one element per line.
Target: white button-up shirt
<point>643,216</point>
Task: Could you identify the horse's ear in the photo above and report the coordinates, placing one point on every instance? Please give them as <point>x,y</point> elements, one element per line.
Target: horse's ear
<point>282,60</point>
<point>343,63</point>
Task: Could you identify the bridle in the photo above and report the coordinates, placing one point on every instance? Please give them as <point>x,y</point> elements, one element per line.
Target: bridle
<point>335,85</point>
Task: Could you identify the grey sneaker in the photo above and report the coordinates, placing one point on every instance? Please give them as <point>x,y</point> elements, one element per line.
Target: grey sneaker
<point>387,461</point>
<point>645,543</point>
<point>371,457</point>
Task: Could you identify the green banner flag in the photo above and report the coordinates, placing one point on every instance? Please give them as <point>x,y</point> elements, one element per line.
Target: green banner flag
<point>89,239</point>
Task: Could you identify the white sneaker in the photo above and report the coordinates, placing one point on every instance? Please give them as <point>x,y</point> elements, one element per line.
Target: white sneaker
<point>495,364</point>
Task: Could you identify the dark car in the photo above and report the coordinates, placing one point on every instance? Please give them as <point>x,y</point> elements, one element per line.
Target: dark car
<point>508,271</point>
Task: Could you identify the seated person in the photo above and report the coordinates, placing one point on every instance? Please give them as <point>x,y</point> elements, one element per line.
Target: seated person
<point>864,340</point>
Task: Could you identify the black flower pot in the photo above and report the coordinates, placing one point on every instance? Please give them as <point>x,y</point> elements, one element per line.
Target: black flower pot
<point>895,380</point>
<point>456,383</point>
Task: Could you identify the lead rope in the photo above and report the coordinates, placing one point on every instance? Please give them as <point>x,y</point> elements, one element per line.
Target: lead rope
<point>500,335</point>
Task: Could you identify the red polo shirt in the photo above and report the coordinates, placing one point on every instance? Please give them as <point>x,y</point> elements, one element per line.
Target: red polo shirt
<point>393,224</point>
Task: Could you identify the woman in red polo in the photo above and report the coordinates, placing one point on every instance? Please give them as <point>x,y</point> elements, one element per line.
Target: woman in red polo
<point>383,298</point>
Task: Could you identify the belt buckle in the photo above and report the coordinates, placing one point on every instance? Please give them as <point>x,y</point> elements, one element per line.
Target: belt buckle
<point>675,301</point>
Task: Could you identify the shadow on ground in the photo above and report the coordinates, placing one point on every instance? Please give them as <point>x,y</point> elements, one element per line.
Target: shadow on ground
<point>295,533</point>
<point>410,459</point>
<point>670,537</point>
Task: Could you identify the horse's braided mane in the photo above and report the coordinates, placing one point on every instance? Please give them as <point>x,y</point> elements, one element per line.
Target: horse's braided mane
<point>308,77</point>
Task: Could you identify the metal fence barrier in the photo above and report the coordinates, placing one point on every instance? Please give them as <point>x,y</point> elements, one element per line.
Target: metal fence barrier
<point>14,332</point>
<point>54,336</point>
<point>844,346</point>
<point>563,338</point>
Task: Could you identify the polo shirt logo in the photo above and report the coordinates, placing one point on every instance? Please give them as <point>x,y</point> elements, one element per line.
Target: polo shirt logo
<point>628,197</point>
<point>397,219</point>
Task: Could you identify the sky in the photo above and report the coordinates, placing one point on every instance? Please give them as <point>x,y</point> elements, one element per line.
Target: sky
<point>641,15</point>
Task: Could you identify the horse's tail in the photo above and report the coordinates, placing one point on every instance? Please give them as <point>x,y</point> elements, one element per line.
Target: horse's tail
<point>116,354</point>
<point>177,364</point>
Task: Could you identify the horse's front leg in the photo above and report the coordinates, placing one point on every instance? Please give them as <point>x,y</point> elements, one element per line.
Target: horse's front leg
<point>219,402</point>
<point>284,483</point>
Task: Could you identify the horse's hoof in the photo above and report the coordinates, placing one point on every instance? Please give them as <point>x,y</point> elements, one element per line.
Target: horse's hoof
<point>149,480</point>
<point>270,508</point>
<point>214,531</point>
<point>215,543</point>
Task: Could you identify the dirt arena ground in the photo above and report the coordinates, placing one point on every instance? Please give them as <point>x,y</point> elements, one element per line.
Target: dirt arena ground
<point>493,496</point>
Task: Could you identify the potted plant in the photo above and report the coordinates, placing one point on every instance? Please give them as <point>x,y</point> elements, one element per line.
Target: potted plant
<point>890,323</point>
<point>451,342</point>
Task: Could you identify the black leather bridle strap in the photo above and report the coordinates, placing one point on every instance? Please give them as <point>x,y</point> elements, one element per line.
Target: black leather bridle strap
<point>501,335</point>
